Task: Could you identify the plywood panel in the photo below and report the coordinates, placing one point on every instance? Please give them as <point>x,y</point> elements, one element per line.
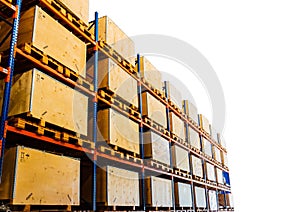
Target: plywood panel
<point>52,179</point>
<point>79,7</point>
<point>150,73</point>
<point>119,130</point>
<point>111,76</point>
<point>191,110</point>
<point>207,146</point>
<point>117,187</point>
<point>200,197</point>
<point>183,195</point>
<point>156,147</point>
<point>197,166</point>
<point>180,158</point>
<point>159,192</point>
<point>220,176</point>
<point>177,126</point>
<point>213,205</point>
<point>210,171</point>
<point>204,123</point>
<point>154,109</point>
<point>115,37</point>
<point>50,100</point>
<point>53,39</point>
<point>194,138</point>
<point>175,94</point>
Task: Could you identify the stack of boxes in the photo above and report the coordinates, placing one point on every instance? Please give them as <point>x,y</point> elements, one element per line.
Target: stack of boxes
<point>186,148</point>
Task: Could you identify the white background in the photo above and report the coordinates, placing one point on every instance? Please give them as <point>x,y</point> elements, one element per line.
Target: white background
<point>254,47</point>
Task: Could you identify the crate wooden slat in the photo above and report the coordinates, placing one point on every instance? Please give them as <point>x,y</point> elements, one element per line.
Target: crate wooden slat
<point>200,199</point>
<point>115,37</point>
<point>180,158</point>
<point>154,109</point>
<point>49,36</point>
<point>79,7</point>
<point>116,80</point>
<point>197,165</point>
<point>156,147</point>
<point>117,187</point>
<point>207,147</point>
<point>174,94</point>
<point>33,177</point>
<point>44,98</point>
<point>191,110</point>
<point>183,194</point>
<point>118,130</point>
<point>213,204</point>
<point>204,123</point>
<point>177,126</point>
<point>210,172</point>
<point>150,73</point>
<point>194,138</point>
<point>159,192</point>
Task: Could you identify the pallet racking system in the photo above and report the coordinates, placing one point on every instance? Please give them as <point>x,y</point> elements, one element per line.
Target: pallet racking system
<point>95,152</point>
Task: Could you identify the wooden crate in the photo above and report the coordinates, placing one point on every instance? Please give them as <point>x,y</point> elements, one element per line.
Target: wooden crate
<point>174,94</point>
<point>200,197</point>
<point>115,37</point>
<point>183,194</point>
<point>204,123</point>
<point>115,79</point>
<point>197,165</point>
<point>213,203</point>
<point>210,172</point>
<point>42,97</point>
<point>191,110</point>
<point>177,126</point>
<point>33,177</point>
<point>194,138</point>
<point>220,178</point>
<point>159,192</point>
<point>225,197</point>
<point>150,73</point>
<point>117,187</point>
<point>224,158</point>
<point>49,36</point>
<point>207,147</point>
<point>217,154</point>
<point>154,109</point>
<point>118,130</point>
<point>180,158</point>
<point>156,147</point>
<point>79,7</point>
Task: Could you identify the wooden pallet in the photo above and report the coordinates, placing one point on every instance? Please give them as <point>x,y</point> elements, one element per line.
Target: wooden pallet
<point>156,126</point>
<point>158,92</point>
<point>158,165</point>
<point>122,155</point>
<point>199,179</point>
<point>117,57</point>
<point>182,173</point>
<point>114,99</point>
<point>41,127</point>
<point>211,183</point>
<point>179,140</point>
<point>55,65</point>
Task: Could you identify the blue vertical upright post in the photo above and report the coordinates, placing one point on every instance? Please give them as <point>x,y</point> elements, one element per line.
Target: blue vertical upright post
<point>170,144</point>
<point>95,110</point>
<point>8,83</point>
<point>141,130</point>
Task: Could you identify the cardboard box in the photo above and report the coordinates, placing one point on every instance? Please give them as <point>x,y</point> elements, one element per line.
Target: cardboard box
<point>213,204</point>
<point>180,158</point>
<point>204,123</point>
<point>197,166</point>
<point>79,7</point>
<point>177,126</point>
<point>150,73</point>
<point>183,194</point>
<point>194,138</point>
<point>207,147</point>
<point>210,172</point>
<point>200,197</point>
<point>191,110</point>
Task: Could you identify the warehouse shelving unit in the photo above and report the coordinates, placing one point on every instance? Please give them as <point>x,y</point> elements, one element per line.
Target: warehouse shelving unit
<point>94,151</point>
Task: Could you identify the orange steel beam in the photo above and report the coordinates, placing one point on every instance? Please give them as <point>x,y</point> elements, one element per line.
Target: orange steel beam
<point>66,20</point>
<point>3,70</point>
<point>46,139</point>
<point>53,72</point>
<point>7,4</point>
<point>149,168</point>
<point>113,158</point>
